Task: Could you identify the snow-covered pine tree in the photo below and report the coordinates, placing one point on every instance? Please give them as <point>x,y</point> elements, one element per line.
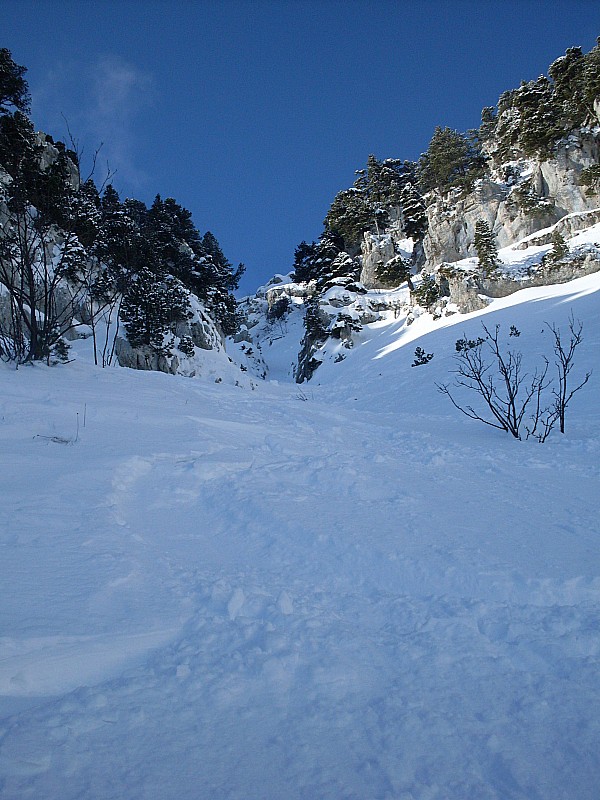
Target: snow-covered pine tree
<point>567,74</point>
<point>223,280</point>
<point>591,76</point>
<point>395,272</point>
<point>304,262</point>
<point>151,309</point>
<point>414,217</point>
<point>559,247</point>
<point>350,215</point>
<point>343,265</point>
<point>452,160</point>
<point>486,247</point>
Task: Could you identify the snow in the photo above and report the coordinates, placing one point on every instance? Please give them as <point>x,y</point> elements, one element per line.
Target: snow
<point>340,590</point>
<point>519,260</point>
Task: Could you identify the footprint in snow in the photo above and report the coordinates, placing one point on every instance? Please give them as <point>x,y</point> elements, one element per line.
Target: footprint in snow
<point>235,604</point>
<point>285,604</point>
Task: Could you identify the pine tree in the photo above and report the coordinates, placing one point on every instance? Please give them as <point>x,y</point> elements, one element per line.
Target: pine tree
<point>395,272</point>
<point>223,280</point>
<point>427,293</point>
<point>452,160</point>
<point>120,249</point>
<point>414,217</point>
<point>559,247</point>
<point>539,117</point>
<point>350,215</point>
<point>304,262</point>
<point>487,250</point>
<point>488,124</point>
<point>151,309</point>
<point>86,213</point>
<point>20,151</point>
<point>344,266</point>
<point>591,77</point>
<point>567,74</point>
<point>14,92</point>
<point>329,246</point>
<point>167,227</point>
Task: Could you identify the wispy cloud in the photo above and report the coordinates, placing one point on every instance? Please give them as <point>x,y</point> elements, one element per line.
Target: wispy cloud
<point>120,91</point>
<point>102,104</point>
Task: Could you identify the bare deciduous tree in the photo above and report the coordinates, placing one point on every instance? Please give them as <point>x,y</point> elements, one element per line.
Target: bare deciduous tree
<point>564,364</point>
<point>514,399</point>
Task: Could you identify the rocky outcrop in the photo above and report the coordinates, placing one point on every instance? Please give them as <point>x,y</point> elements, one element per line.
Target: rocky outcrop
<point>558,178</point>
<point>519,200</point>
<point>567,226</point>
<point>299,290</point>
<point>144,358</point>
<point>376,251</point>
<point>202,330</point>
<point>470,292</point>
<point>50,151</point>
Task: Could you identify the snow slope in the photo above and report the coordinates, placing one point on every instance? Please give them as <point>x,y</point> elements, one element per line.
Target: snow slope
<point>341,590</point>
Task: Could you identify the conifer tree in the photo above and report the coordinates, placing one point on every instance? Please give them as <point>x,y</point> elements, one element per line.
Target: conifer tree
<point>222,281</point>
<point>86,213</point>
<point>559,247</point>
<point>329,246</point>
<point>395,272</point>
<point>487,250</point>
<point>151,309</point>
<point>414,217</point>
<point>567,74</point>
<point>452,160</point>
<point>14,92</point>
<point>350,216</point>
<point>591,77</point>
<point>488,124</point>
<point>539,117</point>
<point>304,262</point>
<point>342,266</point>
<point>534,117</point>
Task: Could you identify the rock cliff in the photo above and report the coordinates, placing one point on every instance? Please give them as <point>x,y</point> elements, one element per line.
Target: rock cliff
<point>517,200</point>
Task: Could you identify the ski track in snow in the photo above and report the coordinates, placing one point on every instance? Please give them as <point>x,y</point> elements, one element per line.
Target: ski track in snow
<point>218,594</point>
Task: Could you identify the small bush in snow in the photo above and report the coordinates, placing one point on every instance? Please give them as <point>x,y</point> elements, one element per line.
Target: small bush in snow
<point>279,309</point>
<point>513,400</point>
<point>60,352</point>
<point>421,357</point>
<point>427,292</point>
<point>186,345</point>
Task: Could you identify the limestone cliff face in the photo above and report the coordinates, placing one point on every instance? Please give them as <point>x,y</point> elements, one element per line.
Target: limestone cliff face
<point>278,289</point>
<point>519,199</point>
<point>201,329</point>
<point>376,251</point>
<point>472,292</point>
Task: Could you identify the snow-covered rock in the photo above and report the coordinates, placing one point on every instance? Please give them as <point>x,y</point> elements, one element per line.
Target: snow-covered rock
<point>527,198</point>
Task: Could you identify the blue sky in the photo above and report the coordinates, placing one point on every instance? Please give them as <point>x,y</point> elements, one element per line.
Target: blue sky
<point>254,114</point>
